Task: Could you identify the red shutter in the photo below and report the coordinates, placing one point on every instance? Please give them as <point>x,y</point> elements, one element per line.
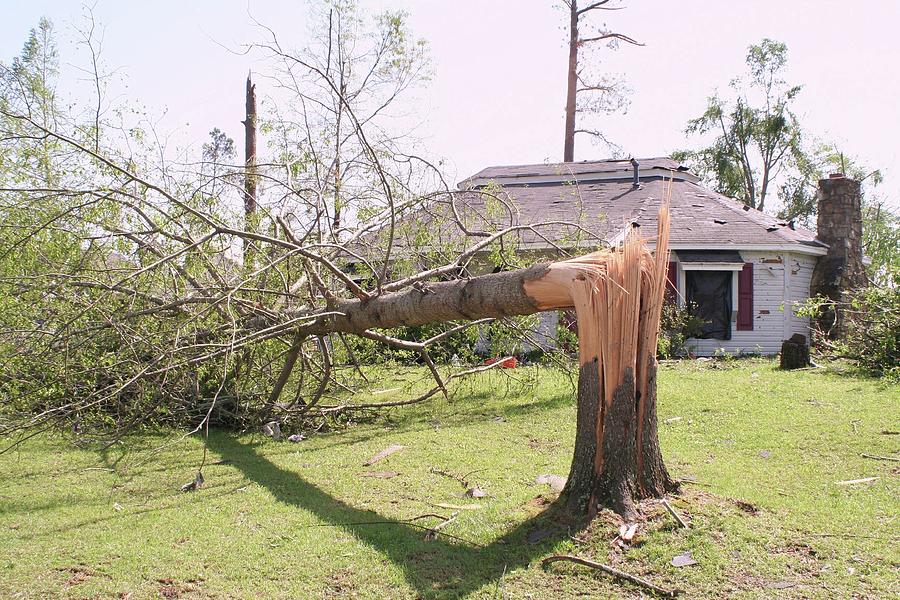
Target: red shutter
<point>672,283</point>
<point>745,298</point>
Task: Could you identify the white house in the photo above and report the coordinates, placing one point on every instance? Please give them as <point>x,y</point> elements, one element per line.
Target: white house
<point>744,269</point>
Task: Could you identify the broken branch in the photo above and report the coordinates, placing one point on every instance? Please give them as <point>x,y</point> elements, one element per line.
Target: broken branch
<point>611,571</point>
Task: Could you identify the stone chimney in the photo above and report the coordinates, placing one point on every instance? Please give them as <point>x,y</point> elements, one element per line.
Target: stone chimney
<point>840,226</point>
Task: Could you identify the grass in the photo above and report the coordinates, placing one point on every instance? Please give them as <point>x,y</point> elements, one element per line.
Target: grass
<point>283,520</point>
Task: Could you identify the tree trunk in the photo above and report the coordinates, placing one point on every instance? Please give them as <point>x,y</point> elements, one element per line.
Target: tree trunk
<point>250,154</point>
<point>618,297</point>
<point>572,87</point>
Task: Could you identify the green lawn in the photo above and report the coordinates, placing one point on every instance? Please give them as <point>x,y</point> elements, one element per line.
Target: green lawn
<point>283,520</point>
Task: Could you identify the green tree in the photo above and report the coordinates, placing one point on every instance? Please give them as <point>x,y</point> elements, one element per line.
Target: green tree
<point>757,137</point>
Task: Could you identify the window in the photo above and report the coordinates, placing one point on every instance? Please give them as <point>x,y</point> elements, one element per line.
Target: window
<point>719,285</point>
<point>709,293</point>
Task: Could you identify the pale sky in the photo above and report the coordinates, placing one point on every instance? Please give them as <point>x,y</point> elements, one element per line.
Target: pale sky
<point>498,86</point>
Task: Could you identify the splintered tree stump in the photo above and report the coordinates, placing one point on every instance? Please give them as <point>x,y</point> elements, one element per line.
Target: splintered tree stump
<point>618,297</point>
<point>795,352</point>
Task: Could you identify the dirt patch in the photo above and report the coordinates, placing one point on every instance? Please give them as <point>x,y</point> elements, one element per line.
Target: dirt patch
<point>170,588</point>
<point>79,574</point>
<point>746,507</point>
<point>341,584</point>
<point>540,445</point>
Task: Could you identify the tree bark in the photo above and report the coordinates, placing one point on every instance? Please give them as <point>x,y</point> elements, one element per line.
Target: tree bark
<point>572,83</point>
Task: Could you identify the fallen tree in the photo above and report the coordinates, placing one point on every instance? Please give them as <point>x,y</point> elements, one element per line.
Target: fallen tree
<point>127,297</point>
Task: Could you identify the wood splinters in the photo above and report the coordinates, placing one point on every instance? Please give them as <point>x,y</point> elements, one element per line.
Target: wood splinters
<point>666,593</point>
<point>674,514</point>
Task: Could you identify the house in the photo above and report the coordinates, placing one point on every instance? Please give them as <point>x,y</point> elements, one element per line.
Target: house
<point>743,269</point>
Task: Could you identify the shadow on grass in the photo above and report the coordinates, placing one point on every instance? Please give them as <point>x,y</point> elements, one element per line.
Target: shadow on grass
<point>461,417</point>
<point>440,568</point>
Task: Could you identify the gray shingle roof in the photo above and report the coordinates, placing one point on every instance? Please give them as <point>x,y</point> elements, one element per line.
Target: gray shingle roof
<point>700,217</point>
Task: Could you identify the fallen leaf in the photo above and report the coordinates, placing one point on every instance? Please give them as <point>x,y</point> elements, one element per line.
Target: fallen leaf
<point>765,454</point>
<point>555,482</point>
<point>684,560</point>
<point>384,454</point>
<point>117,506</point>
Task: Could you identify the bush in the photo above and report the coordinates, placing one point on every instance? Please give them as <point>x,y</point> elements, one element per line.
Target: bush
<point>677,325</point>
<point>871,319</point>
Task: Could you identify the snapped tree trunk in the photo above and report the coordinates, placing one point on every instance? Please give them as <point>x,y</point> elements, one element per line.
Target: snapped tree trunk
<point>618,297</point>
<point>250,154</point>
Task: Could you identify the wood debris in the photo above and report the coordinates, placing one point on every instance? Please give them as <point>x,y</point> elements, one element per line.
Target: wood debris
<point>674,514</point>
<point>384,454</point>
<point>876,457</point>
<point>684,560</point>
<point>614,572</point>
<point>856,481</point>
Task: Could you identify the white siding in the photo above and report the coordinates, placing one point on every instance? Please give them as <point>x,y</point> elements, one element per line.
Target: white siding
<point>802,266</point>
<point>771,324</point>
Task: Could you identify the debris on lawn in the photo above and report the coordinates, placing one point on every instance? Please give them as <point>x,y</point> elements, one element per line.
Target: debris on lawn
<point>387,391</point>
<point>556,483</point>
<point>472,491</point>
<point>196,484</point>
<point>476,492</point>
<point>433,532</point>
<point>384,454</point>
<point>684,560</point>
<point>614,572</point>
<point>765,454</point>
<point>674,514</point>
<point>671,420</point>
<point>297,437</point>
<point>746,506</point>
<point>856,481</point>
<point>876,457</point>
<point>627,532</point>
<point>272,429</point>
<point>379,474</point>
<point>458,506</point>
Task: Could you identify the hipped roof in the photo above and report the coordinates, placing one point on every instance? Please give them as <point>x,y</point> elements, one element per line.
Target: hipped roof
<point>600,195</point>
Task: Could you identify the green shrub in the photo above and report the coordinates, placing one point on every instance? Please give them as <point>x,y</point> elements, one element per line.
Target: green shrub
<point>678,323</point>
